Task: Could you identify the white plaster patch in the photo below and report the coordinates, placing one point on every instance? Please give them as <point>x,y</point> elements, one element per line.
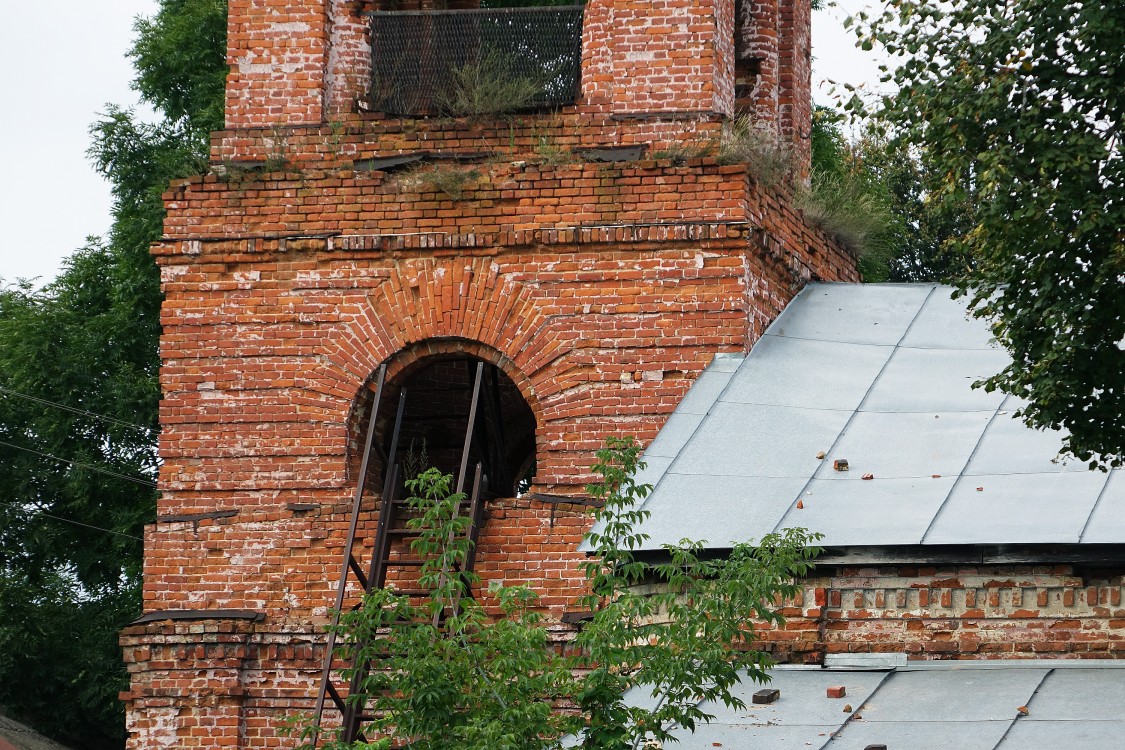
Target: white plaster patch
<point>169,273</point>
<point>161,730</point>
<point>292,27</point>
<point>271,69</point>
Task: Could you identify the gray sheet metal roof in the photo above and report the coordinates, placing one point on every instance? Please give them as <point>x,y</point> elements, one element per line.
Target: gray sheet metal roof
<point>927,706</point>
<point>879,375</point>
<point>22,737</point>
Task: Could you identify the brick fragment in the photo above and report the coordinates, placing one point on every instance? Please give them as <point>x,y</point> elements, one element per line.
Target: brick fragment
<point>766,695</point>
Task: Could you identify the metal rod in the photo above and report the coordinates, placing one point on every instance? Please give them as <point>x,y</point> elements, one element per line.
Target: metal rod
<point>473,530</point>
<point>498,447</point>
<point>378,574</point>
<point>469,428</point>
<point>357,572</point>
<point>461,481</point>
<point>342,588</point>
<point>353,716</point>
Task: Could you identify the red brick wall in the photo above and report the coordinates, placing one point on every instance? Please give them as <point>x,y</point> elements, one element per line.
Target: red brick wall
<point>284,293</point>
<point>962,612</point>
<point>794,41</point>
<point>658,56</point>
<point>601,291</point>
<point>348,61</point>
<point>773,52</point>
<point>276,50</point>
<point>307,61</point>
<point>232,684</point>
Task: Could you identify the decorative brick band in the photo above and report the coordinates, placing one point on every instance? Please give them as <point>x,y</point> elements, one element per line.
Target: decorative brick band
<point>573,235</point>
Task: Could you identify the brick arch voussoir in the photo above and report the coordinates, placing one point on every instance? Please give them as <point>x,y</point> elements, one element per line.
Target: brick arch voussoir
<point>469,300</point>
<point>415,356</point>
<point>418,355</point>
<point>433,307</point>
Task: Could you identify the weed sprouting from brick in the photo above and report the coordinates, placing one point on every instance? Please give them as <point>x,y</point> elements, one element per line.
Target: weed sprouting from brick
<point>450,179</point>
<point>489,86</point>
<point>443,673</point>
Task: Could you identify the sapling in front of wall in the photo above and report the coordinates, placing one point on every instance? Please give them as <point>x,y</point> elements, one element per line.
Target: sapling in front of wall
<point>676,635</point>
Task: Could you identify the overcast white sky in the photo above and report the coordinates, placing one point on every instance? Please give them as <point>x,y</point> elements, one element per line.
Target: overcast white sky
<point>62,68</point>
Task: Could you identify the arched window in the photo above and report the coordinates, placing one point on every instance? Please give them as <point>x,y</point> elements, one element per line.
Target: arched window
<point>438,394</point>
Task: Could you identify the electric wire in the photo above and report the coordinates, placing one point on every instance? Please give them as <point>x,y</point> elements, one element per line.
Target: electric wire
<point>74,410</point>
<point>75,523</point>
<point>79,465</point>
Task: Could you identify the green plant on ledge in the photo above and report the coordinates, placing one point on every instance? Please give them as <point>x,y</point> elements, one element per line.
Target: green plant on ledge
<point>679,632</point>
<point>681,152</point>
<point>743,142</point>
<point>449,179</point>
<point>491,85</point>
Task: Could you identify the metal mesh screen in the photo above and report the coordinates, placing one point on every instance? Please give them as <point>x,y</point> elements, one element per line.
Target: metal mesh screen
<point>475,62</point>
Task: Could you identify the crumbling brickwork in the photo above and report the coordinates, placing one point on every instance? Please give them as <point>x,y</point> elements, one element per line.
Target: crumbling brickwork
<point>599,283</point>
<point>599,256</point>
<point>955,612</point>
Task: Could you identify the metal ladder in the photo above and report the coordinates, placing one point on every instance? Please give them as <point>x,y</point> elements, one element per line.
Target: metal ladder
<point>390,530</point>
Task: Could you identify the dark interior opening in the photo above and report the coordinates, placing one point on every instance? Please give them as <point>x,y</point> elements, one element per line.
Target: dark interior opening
<point>437,398</point>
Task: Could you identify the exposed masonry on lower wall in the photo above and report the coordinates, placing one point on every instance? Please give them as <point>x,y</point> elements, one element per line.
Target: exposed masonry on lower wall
<point>521,238</point>
<point>989,611</point>
<point>600,290</point>
<point>565,137</point>
<point>256,674</point>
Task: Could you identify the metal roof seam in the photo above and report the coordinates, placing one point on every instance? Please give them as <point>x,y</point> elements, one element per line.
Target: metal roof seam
<point>787,406</point>
<point>896,476</point>
<point>777,322</point>
<point>837,341</point>
<point>1094,507</point>
<point>706,414</point>
<point>961,474</point>
<point>840,434</point>
<point>832,736</point>
<point>1019,715</point>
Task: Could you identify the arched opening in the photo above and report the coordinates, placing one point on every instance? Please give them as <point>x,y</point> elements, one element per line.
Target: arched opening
<point>438,395</point>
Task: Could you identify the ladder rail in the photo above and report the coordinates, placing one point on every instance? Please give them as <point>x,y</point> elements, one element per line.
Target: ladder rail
<point>349,558</point>
<point>469,429</point>
<point>352,709</point>
<point>378,571</point>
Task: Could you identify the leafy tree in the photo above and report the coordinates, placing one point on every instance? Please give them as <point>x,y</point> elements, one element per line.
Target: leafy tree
<point>923,230</point>
<point>846,198</point>
<point>1016,109</point>
<point>443,674</point>
<point>78,402</point>
<point>875,194</point>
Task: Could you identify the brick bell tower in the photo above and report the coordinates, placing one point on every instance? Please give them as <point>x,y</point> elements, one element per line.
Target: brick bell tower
<point>374,224</point>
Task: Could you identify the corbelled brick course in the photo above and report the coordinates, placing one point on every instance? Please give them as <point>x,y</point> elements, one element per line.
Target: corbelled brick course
<point>296,268</point>
<point>986,611</point>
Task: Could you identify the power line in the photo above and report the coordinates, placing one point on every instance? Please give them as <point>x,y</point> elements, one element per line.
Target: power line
<point>78,465</point>
<point>87,525</point>
<point>123,423</point>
